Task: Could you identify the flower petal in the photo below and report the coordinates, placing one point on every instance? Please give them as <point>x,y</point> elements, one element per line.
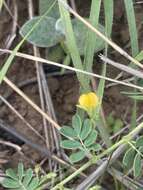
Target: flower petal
<point>88,101</point>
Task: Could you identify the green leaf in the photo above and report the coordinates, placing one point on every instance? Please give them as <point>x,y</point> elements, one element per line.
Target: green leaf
<point>80,31</point>
<point>135,97</point>
<point>76,123</point>
<point>44,35</point>
<point>10,183</point>
<point>70,144</point>
<point>139,57</point>
<point>33,184</point>
<point>108,12</point>
<point>117,125</point>
<point>28,177</point>
<point>131,93</point>
<point>11,173</point>
<point>72,45</point>
<point>68,132</point>
<point>110,120</point>
<point>8,62</point>
<point>96,187</point>
<point>91,138</point>
<point>141,150</point>
<point>86,129</point>
<point>77,156</point>
<point>44,5</point>
<point>95,147</point>
<point>129,158</point>
<point>20,171</point>
<point>24,181</point>
<point>139,141</point>
<point>137,168</point>
<point>44,178</point>
<point>90,37</point>
<point>129,5</point>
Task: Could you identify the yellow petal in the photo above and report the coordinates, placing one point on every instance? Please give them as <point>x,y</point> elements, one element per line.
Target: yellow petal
<point>88,101</point>
<point>93,99</point>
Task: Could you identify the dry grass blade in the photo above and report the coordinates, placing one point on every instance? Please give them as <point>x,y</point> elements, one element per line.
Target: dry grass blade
<point>14,87</point>
<point>15,146</point>
<point>41,60</point>
<point>122,67</point>
<point>21,117</point>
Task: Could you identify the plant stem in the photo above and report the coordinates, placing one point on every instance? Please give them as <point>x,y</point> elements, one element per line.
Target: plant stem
<point>89,163</point>
<point>124,140</point>
<point>89,155</point>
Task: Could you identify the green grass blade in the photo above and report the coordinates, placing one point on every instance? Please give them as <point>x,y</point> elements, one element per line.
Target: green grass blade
<point>108,11</point>
<point>72,46</point>
<point>44,5</point>
<point>134,46</point>
<point>91,37</point>
<point>139,57</point>
<point>132,26</point>
<point>8,63</point>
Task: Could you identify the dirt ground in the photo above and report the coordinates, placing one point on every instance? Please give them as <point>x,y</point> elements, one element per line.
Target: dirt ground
<point>64,89</point>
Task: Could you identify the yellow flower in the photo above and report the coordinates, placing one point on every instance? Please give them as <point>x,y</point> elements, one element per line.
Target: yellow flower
<point>88,101</point>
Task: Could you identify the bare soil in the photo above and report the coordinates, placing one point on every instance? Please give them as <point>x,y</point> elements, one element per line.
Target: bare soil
<point>64,89</point>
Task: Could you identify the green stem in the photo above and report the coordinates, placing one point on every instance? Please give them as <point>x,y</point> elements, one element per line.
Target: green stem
<point>135,149</point>
<point>124,140</point>
<point>89,155</point>
<point>85,166</point>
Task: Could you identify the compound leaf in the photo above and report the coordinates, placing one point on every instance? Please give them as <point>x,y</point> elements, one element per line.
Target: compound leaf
<point>20,171</point>
<point>129,158</point>
<point>139,141</point>
<point>137,168</point>
<point>28,177</point>
<point>10,183</point>
<point>76,123</point>
<point>91,138</point>
<point>11,173</point>
<point>68,132</point>
<point>70,144</point>
<point>86,129</point>
<point>77,156</point>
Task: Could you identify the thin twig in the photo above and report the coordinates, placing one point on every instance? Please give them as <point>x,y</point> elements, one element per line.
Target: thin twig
<point>103,166</point>
<point>35,146</point>
<point>27,99</point>
<point>115,84</point>
<point>90,180</point>
<point>122,67</point>
<point>14,16</point>
<point>15,146</point>
<point>33,80</point>
<point>73,5</point>
<point>127,181</point>
<point>41,94</point>
<point>41,60</point>
<point>21,117</point>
